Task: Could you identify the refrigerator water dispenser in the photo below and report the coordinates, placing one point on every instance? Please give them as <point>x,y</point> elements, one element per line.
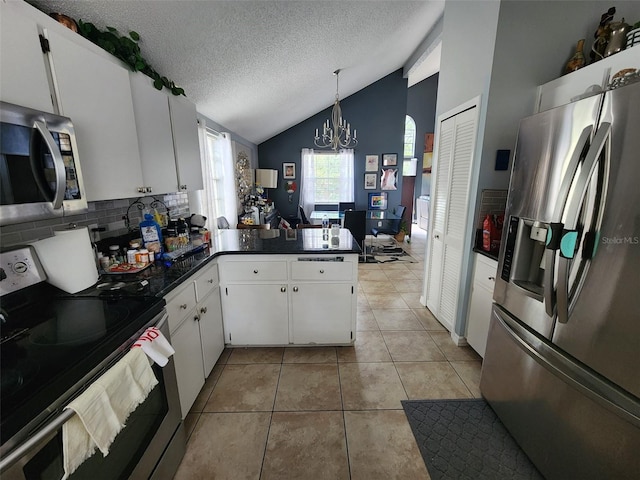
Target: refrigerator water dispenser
<point>524,256</point>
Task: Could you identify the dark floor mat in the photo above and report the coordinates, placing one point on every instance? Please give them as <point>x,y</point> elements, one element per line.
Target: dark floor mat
<point>464,439</point>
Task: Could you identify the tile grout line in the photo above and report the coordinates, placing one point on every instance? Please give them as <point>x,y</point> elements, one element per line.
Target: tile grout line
<point>273,406</point>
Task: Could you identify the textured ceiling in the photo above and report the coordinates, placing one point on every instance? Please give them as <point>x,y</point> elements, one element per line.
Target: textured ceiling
<point>260,67</point>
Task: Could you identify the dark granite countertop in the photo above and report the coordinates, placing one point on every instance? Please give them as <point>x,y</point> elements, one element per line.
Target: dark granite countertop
<point>164,277</point>
<point>491,255</point>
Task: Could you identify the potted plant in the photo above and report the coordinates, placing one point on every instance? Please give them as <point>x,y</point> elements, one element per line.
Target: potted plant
<point>402,232</point>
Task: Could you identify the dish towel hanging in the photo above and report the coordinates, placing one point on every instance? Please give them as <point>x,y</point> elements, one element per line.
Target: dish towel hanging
<point>102,410</point>
<point>155,345</point>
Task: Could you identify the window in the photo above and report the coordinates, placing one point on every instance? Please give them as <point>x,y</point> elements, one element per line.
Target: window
<point>327,177</point>
<point>409,137</point>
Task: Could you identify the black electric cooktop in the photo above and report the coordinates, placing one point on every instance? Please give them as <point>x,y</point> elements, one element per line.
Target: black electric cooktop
<point>51,340</point>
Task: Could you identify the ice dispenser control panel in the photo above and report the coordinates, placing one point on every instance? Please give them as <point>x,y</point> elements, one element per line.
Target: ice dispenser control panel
<point>19,269</point>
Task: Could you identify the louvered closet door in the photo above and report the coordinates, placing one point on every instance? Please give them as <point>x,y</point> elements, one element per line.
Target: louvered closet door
<point>455,157</point>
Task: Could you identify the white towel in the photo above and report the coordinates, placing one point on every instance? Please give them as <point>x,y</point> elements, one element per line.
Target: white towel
<point>155,345</point>
<point>102,410</point>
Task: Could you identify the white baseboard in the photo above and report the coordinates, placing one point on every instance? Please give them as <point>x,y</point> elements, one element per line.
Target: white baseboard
<point>458,340</point>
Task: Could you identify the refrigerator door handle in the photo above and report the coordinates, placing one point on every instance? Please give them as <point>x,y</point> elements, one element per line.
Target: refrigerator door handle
<point>571,237</point>
<point>552,244</point>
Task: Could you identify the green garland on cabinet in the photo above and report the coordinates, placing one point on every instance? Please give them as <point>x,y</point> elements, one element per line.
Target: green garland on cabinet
<point>126,48</point>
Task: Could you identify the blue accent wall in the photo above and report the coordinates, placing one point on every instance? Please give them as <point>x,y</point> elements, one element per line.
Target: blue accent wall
<point>421,106</point>
<point>377,112</point>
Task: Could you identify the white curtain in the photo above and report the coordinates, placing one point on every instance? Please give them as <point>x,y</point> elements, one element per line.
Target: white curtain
<point>308,184</point>
<point>308,188</point>
<point>218,198</point>
<point>230,210</point>
<point>346,159</point>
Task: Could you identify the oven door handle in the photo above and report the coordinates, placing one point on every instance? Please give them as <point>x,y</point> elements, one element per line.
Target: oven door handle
<point>43,435</point>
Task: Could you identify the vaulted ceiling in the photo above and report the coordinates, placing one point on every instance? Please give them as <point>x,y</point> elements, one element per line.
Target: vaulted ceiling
<point>260,67</point>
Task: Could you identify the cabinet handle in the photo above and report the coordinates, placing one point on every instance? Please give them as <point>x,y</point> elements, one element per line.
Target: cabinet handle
<point>493,279</point>
<point>321,271</point>
<point>210,280</point>
<point>196,318</point>
<point>295,289</point>
<point>183,306</point>
<point>149,189</point>
<point>203,310</point>
<point>283,289</point>
<point>255,271</point>
<point>140,189</point>
<point>437,236</point>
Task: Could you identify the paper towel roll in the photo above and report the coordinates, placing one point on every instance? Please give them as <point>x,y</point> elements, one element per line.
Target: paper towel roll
<point>67,259</point>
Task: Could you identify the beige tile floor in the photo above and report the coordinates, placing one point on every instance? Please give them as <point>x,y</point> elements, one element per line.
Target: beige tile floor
<point>332,412</point>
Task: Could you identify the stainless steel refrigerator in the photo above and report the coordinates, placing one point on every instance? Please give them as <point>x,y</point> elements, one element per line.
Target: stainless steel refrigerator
<point>562,364</point>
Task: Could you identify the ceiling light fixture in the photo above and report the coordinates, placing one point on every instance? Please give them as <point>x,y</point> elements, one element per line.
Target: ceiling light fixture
<point>337,134</point>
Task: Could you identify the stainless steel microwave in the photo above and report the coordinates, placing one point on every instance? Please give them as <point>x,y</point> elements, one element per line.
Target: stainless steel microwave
<point>40,174</point>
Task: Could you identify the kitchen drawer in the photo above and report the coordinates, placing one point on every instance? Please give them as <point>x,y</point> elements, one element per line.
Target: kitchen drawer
<point>316,271</point>
<point>255,271</point>
<point>206,282</point>
<point>485,271</point>
<point>180,305</point>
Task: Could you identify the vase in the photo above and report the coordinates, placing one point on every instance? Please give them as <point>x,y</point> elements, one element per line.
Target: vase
<point>577,61</point>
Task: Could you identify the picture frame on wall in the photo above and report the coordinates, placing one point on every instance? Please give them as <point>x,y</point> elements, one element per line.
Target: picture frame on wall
<point>389,159</point>
<point>389,179</point>
<point>371,163</point>
<point>370,181</point>
<point>378,201</point>
<point>289,171</point>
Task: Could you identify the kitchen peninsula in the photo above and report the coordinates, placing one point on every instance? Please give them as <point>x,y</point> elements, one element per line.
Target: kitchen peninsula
<point>255,287</point>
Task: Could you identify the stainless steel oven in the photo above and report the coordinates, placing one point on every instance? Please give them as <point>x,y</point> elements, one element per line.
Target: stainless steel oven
<point>150,446</point>
<point>40,175</point>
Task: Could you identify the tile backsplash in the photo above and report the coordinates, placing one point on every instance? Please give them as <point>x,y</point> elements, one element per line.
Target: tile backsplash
<point>492,202</point>
<point>108,214</point>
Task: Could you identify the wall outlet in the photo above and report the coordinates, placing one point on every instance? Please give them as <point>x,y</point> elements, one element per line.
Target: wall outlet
<point>379,223</point>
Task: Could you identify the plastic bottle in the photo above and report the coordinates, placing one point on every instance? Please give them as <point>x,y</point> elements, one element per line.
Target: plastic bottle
<point>151,235</point>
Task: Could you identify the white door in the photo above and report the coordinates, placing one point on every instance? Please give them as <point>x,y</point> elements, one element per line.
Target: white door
<point>94,91</point>
<point>256,314</point>
<point>184,123</point>
<point>23,78</point>
<point>153,123</point>
<point>454,162</point>
<point>321,313</point>
<point>211,335</point>
<point>188,362</point>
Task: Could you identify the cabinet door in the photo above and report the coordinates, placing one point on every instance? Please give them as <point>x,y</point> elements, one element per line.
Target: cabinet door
<point>153,124</point>
<point>23,77</point>
<point>479,317</point>
<point>95,93</point>
<point>321,313</point>
<point>256,314</point>
<point>189,369</point>
<point>184,122</point>
<point>211,336</point>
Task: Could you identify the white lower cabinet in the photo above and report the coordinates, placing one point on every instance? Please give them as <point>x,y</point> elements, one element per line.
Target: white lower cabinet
<point>317,319</point>
<point>484,278</point>
<point>256,314</point>
<point>195,324</point>
<point>282,299</point>
<point>189,368</point>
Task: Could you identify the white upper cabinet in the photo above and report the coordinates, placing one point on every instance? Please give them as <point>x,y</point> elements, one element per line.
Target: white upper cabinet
<point>23,77</point>
<point>184,123</point>
<point>153,123</point>
<point>95,93</point>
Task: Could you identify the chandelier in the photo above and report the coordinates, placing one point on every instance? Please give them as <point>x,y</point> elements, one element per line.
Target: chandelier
<point>337,134</point>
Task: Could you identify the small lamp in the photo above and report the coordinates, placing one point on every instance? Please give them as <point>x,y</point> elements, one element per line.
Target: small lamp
<point>267,178</point>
